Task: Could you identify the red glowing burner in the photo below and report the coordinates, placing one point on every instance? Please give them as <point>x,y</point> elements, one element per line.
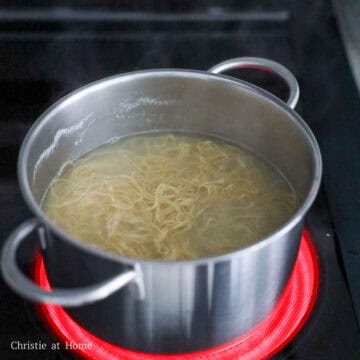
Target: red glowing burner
<point>261,342</point>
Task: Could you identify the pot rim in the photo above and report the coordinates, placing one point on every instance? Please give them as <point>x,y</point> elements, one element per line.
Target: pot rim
<point>46,116</point>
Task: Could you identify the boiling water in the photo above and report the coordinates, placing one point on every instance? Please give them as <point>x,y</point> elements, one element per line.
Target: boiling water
<point>169,196</point>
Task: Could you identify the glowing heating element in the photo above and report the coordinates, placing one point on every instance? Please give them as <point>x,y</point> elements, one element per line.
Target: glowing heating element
<point>261,342</point>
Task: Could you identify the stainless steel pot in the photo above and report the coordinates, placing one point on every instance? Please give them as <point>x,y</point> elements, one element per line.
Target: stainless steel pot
<point>166,306</point>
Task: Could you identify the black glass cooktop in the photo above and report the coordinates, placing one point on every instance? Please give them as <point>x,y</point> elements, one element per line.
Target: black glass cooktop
<point>46,54</point>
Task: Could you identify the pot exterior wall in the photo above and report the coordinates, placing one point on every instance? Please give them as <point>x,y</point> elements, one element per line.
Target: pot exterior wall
<point>186,307</point>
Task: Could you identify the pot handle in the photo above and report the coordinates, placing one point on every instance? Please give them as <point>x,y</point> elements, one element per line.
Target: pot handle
<point>15,278</point>
<point>265,65</point>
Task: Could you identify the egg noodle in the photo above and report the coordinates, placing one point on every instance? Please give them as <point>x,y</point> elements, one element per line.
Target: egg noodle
<point>169,197</point>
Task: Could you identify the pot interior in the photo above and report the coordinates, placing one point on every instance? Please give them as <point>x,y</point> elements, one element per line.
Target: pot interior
<point>193,102</point>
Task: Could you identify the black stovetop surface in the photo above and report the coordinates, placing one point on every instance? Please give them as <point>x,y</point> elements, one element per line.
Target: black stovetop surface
<point>46,57</point>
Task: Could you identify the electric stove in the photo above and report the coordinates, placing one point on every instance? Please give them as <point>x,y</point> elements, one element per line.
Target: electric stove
<point>48,51</point>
